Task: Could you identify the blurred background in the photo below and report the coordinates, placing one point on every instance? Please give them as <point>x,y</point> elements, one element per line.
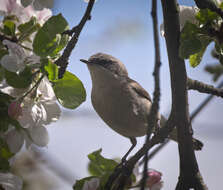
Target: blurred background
<point>124,30</point>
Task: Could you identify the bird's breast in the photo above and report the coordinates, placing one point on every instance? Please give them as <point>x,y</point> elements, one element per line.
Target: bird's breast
<point>121,108</point>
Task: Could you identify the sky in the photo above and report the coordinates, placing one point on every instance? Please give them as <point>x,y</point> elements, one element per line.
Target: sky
<point>124,30</point>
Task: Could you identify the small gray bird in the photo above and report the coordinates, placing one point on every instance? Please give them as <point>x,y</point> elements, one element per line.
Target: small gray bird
<point>120,101</point>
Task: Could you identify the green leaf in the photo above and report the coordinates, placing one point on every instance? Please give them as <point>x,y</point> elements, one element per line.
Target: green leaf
<point>46,40</point>
<point>80,183</point>
<point>205,16</point>
<point>4,150</point>
<point>62,43</point>
<point>4,165</point>
<point>1,73</point>
<point>5,154</point>
<point>4,118</point>
<point>9,28</point>
<point>69,91</point>
<point>4,125</point>
<point>5,98</point>
<point>28,28</point>
<point>196,58</point>
<point>21,80</point>
<point>12,18</point>
<point>51,69</point>
<point>99,165</point>
<point>189,41</point>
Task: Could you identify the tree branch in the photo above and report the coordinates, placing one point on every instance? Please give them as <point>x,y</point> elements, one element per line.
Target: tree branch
<point>189,172</point>
<point>208,4</point>
<point>204,88</point>
<point>152,118</point>
<point>63,60</point>
<point>204,103</point>
<point>124,173</point>
<point>192,116</point>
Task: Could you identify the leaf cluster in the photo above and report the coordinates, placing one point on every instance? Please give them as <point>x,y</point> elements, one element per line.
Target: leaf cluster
<point>99,167</point>
<point>195,38</point>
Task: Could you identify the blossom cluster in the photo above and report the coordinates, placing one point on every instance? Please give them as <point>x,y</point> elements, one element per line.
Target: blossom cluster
<point>30,107</point>
<point>31,40</point>
<point>36,109</point>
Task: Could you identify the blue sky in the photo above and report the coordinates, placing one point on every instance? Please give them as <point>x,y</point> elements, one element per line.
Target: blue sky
<point>123,28</point>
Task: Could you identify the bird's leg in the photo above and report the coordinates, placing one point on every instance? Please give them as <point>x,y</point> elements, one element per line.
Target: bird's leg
<point>134,142</point>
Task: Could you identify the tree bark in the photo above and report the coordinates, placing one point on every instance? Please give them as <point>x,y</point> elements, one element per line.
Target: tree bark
<point>189,172</point>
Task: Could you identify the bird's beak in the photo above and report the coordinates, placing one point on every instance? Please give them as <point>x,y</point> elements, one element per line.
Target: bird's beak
<point>84,61</point>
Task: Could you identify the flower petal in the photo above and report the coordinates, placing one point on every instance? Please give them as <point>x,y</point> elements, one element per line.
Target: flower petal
<point>53,112</point>
<point>39,135</point>
<point>10,181</point>
<point>15,140</point>
<point>12,64</point>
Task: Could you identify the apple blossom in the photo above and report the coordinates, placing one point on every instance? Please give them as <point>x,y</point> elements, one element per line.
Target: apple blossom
<point>14,139</point>
<point>37,111</point>
<point>17,59</point>
<point>14,7</point>
<point>10,182</point>
<point>218,2</point>
<point>15,109</point>
<point>154,180</point>
<point>186,13</point>
<point>38,4</point>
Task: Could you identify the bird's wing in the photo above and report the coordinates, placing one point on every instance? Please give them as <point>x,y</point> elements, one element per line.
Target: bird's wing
<point>139,89</point>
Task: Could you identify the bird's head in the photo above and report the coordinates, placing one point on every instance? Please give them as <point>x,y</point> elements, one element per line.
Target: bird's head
<point>101,62</point>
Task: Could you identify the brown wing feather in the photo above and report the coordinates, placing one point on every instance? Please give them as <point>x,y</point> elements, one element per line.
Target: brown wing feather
<point>139,89</point>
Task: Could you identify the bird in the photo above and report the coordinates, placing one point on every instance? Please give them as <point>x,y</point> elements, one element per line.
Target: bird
<point>121,102</point>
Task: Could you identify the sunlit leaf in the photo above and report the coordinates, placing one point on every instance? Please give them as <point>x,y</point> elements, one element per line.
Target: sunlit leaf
<point>69,91</point>
<point>47,38</point>
<point>21,80</point>
<point>189,41</point>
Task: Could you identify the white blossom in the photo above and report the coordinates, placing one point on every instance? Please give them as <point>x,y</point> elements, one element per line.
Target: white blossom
<point>38,4</point>
<point>218,2</point>
<point>14,7</point>
<point>36,114</point>
<point>40,112</point>
<point>10,182</point>
<point>17,59</point>
<point>14,61</point>
<point>186,13</point>
<point>154,178</point>
<point>14,139</point>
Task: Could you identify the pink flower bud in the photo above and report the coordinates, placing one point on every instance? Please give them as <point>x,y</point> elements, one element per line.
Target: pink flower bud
<point>15,110</point>
<point>154,178</point>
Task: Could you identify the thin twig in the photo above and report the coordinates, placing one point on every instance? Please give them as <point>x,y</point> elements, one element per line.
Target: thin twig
<point>193,115</point>
<point>204,88</point>
<point>63,60</point>
<point>152,118</point>
<point>204,103</point>
<point>35,86</point>
<point>160,136</point>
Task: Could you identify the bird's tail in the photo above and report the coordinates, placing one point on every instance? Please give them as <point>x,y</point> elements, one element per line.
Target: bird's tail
<point>197,144</point>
